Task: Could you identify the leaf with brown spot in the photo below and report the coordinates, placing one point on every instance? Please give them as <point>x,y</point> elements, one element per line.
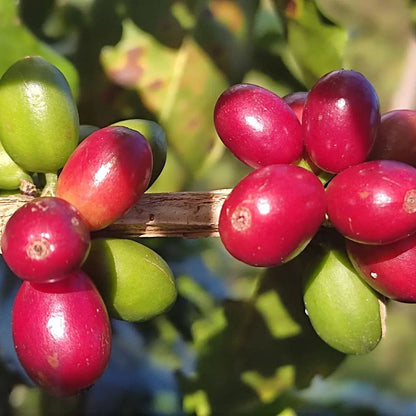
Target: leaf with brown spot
<point>180,85</point>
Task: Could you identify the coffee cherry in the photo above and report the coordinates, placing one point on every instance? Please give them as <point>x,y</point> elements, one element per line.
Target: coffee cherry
<point>135,282</point>
<point>39,119</point>
<point>389,268</point>
<point>44,240</point>
<point>156,137</point>
<point>272,214</point>
<point>106,175</point>
<point>61,333</point>
<point>11,174</point>
<point>396,137</point>
<point>258,126</point>
<point>374,202</point>
<point>296,101</point>
<point>344,311</point>
<point>340,120</point>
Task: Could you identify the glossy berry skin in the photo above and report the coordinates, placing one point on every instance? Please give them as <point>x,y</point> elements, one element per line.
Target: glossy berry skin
<point>340,120</point>
<point>61,333</point>
<point>296,101</point>
<point>39,121</point>
<point>135,283</point>
<point>44,240</point>
<point>271,214</point>
<point>390,269</point>
<point>106,175</point>
<point>396,137</point>
<point>257,126</point>
<point>374,202</point>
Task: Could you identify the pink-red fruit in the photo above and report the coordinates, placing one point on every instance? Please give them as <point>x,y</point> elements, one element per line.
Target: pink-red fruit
<point>296,101</point>
<point>271,214</point>
<point>374,202</point>
<point>390,269</point>
<point>340,120</point>
<point>257,126</point>
<point>44,240</point>
<point>106,175</point>
<point>396,137</point>
<point>62,333</point>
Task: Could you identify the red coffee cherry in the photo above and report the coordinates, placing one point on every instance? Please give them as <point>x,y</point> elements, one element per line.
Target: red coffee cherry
<point>390,269</point>
<point>374,202</point>
<point>258,126</point>
<point>296,101</point>
<point>396,137</point>
<point>272,214</point>
<point>62,333</point>
<point>44,240</point>
<point>340,120</point>
<point>106,174</point>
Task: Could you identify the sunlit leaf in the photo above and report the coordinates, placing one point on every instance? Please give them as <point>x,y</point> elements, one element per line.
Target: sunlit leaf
<point>315,46</point>
<point>263,347</point>
<point>179,86</point>
<point>269,388</point>
<point>180,83</point>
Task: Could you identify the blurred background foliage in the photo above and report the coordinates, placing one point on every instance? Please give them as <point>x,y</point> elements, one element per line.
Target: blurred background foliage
<point>237,341</point>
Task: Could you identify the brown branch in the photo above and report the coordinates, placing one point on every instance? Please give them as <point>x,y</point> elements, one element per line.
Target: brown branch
<point>172,214</point>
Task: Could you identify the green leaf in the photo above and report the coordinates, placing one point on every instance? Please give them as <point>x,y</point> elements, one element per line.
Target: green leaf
<point>315,45</point>
<point>158,19</point>
<point>180,71</point>
<point>263,347</point>
<point>16,42</point>
<point>380,47</point>
<point>180,86</point>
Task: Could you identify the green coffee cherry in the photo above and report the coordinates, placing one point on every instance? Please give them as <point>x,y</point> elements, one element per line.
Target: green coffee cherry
<point>38,119</point>
<point>344,311</point>
<point>134,281</point>
<point>11,174</point>
<point>155,135</point>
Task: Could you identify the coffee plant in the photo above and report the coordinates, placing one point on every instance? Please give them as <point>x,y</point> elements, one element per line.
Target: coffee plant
<point>206,207</point>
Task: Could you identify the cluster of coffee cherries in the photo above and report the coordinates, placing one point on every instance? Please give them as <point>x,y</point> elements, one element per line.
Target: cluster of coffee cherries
<point>323,157</point>
<point>73,283</point>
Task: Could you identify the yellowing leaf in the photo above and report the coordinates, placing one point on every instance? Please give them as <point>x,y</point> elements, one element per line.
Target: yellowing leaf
<point>180,86</point>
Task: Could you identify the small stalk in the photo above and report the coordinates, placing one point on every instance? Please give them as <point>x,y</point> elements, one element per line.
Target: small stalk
<point>50,187</point>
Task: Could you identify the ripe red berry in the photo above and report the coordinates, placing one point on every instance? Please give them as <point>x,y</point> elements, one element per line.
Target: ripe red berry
<point>45,239</point>
<point>374,202</point>
<point>389,269</point>
<point>62,333</point>
<point>272,214</point>
<point>296,101</point>
<point>396,137</point>
<point>258,126</point>
<point>340,120</point>
<point>106,175</point>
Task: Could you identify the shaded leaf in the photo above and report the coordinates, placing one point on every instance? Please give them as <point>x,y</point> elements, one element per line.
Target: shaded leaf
<point>224,30</point>
<point>157,19</point>
<point>263,347</point>
<point>16,42</point>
